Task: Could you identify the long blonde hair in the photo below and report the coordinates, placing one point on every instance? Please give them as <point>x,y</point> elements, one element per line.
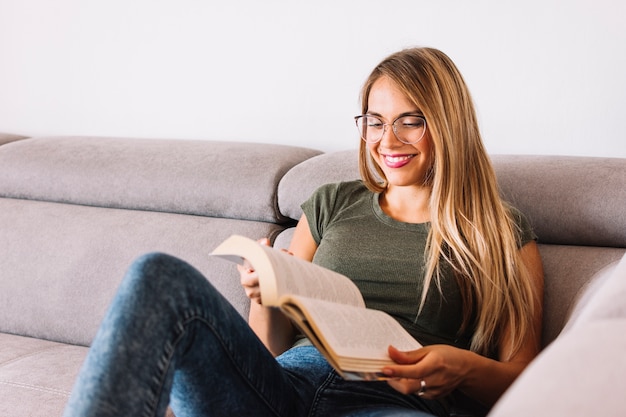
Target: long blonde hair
<point>472,229</point>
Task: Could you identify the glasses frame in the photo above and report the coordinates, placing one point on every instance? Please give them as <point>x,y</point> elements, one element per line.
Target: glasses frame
<point>393,127</point>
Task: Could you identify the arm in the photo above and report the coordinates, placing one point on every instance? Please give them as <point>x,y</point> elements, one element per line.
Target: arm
<point>273,328</point>
<point>445,368</point>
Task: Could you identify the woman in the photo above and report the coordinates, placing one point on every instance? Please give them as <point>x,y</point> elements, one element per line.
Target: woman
<point>424,235</point>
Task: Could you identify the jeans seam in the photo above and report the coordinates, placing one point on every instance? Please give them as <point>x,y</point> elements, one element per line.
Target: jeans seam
<point>183,330</point>
<point>318,392</point>
<point>163,366</point>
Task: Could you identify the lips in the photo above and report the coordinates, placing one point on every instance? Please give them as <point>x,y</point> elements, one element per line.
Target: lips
<point>397,161</point>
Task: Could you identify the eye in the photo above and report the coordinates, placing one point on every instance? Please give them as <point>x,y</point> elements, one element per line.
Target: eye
<point>411,122</point>
<point>373,123</point>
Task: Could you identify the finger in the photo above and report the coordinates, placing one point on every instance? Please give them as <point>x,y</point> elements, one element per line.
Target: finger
<point>247,266</point>
<point>404,385</point>
<point>408,363</point>
<point>254,295</point>
<point>250,281</point>
<point>264,241</point>
<point>411,372</point>
<point>424,387</point>
<point>406,358</point>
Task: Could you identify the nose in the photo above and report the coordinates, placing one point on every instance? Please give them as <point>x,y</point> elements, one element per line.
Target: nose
<point>389,137</point>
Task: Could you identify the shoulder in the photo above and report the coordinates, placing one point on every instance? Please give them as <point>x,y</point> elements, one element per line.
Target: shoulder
<point>342,186</point>
<point>331,201</point>
<point>339,191</point>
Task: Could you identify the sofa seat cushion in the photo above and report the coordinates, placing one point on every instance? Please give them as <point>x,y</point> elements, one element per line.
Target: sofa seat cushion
<point>36,376</point>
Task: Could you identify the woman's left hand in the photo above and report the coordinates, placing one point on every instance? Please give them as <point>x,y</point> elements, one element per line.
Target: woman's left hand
<point>430,372</point>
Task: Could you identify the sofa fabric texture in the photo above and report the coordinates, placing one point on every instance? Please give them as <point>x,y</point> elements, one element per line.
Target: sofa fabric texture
<point>76,211</point>
<point>220,179</point>
<point>36,376</point>
<point>8,137</point>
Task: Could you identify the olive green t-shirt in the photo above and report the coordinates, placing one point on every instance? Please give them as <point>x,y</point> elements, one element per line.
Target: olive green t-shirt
<point>385,259</point>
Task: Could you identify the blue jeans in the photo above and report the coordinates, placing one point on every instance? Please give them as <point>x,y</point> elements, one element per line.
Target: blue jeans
<point>170,337</point>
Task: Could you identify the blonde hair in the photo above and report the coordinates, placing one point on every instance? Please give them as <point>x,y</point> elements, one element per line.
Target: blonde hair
<point>471,227</point>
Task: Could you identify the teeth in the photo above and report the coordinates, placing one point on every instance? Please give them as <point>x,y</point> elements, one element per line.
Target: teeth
<point>398,158</point>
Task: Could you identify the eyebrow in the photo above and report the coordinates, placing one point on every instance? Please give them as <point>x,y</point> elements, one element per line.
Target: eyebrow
<point>408,113</point>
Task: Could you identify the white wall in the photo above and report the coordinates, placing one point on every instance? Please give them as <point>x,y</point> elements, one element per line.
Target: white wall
<point>547,76</point>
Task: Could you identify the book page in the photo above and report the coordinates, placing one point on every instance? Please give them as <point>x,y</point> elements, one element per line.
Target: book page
<point>352,332</point>
<point>281,273</point>
<point>296,276</point>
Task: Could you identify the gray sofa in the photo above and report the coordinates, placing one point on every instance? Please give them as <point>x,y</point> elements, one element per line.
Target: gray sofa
<point>75,212</point>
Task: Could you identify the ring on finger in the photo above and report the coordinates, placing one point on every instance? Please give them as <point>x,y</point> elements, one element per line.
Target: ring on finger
<point>422,390</point>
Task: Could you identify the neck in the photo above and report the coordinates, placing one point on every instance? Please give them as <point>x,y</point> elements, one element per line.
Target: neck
<point>406,204</point>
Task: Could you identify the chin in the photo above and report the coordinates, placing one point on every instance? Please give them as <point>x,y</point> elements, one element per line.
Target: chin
<point>393,179</point>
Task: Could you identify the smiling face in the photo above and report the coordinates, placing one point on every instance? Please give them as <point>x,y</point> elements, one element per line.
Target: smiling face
<point>403,165</point>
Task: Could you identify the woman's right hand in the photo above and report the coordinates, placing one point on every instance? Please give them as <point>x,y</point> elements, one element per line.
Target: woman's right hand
<point>276,330</point>
<point>250,279</point>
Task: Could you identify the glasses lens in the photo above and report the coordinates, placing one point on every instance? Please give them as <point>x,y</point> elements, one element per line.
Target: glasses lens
<point>370,128</point>
<point>410,129</point>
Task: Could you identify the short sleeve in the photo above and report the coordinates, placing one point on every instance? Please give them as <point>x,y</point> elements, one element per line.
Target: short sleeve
<point>318,209</point>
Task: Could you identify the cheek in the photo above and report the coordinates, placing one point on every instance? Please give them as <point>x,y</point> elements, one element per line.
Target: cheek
<point>372,148</point>
<point>425,146</point>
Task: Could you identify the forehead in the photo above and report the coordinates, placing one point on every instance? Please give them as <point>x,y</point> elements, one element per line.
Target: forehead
<point>386,99</point>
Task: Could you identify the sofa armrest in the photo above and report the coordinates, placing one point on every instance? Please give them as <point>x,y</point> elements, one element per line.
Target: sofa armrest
<point>580,374</point>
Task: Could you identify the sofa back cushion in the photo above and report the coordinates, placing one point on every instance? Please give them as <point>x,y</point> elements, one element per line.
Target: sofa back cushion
<point>569,200</point>
<point>217,179</point>
<point>9,137</point>
<point>604,297</point>
<point>568,270</point>
<point>60,264</point>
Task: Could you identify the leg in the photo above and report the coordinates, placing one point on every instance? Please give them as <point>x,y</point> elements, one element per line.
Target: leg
<point>169,330</point>
<point>388,412</point>
<point>371,399</point>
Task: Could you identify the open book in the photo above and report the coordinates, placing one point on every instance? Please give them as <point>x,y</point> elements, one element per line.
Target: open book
<point>326,306</point>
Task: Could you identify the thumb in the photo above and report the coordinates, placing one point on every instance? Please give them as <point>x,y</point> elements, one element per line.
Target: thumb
<point>404,358</point>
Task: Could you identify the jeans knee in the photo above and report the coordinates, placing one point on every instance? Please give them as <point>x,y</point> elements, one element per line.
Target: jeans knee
<point>156,273</point>
<point>149,261</point>
<point>166,276</point>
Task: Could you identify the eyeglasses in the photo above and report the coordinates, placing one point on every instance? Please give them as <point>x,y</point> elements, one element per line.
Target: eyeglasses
<point>408,129</point>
